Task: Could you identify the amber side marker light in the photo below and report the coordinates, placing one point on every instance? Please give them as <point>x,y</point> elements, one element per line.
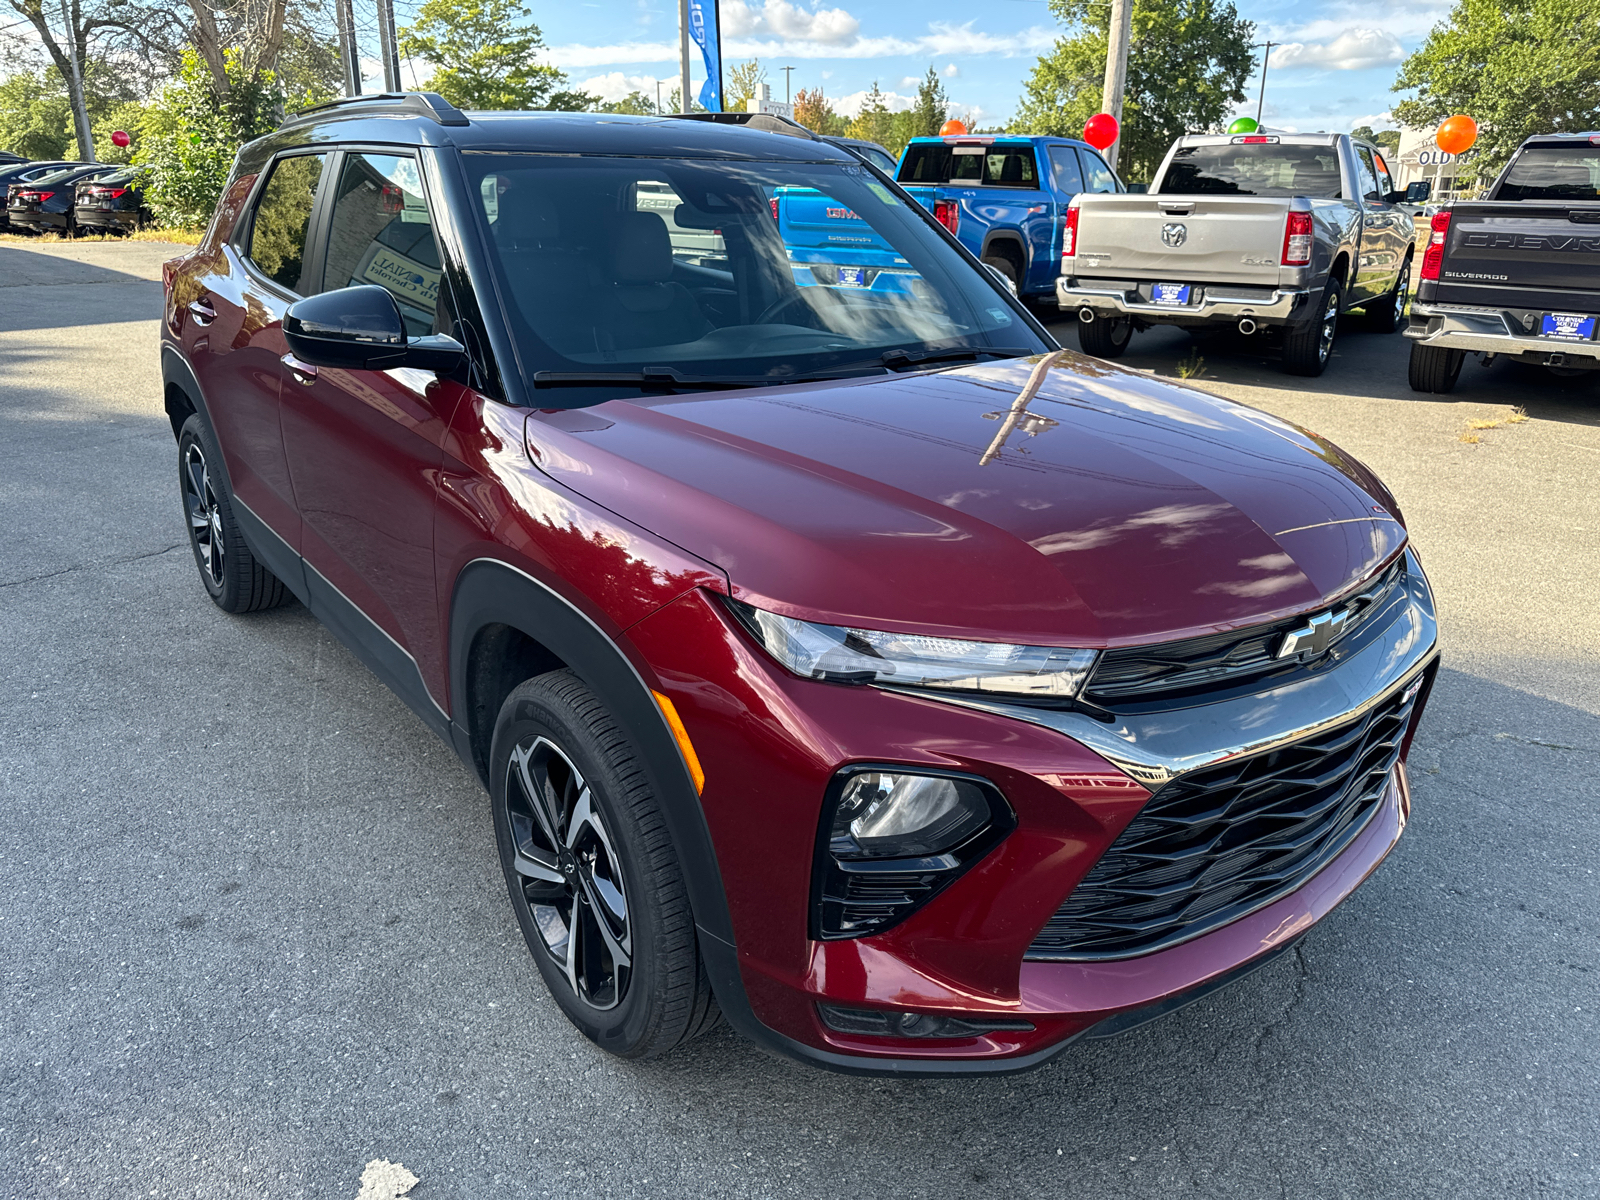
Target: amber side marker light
<point>681,735</point>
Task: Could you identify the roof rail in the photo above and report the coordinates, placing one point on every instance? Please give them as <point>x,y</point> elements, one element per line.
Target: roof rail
<point>386,104</point>
<point>766,122</point>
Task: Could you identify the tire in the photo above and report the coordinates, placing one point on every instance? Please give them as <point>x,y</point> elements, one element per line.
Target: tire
<point>1007,268</point>
<point>632,980</point>
<point>1387,313</point>
<point>1434,368</point>
<point>1308,347</point>
<point>233,578</point>
<point>1105,337</point>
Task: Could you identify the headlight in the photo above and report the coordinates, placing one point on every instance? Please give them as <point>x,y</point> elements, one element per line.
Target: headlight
<point>839,655</point>
<point>883,815</point>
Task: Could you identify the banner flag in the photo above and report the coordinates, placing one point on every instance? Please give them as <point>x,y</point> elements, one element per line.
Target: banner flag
<point>703,29</point>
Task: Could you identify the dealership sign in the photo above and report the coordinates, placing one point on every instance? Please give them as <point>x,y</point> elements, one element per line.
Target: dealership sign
<point>1428,158</point>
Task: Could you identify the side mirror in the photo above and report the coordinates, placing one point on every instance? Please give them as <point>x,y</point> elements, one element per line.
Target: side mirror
<point>1418,192</point>
<point>360,329</point>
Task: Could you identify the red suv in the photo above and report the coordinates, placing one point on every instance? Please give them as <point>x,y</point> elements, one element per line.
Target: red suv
<point>846,659</point>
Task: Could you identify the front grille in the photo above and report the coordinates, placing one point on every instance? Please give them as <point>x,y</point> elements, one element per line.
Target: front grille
<point>1169,670</point>
<point>1223,841</point>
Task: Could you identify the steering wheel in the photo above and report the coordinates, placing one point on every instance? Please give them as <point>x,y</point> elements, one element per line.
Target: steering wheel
<point>777,306</point>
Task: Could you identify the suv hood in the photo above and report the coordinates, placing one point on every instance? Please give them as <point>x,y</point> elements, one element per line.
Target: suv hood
<point>1115,509</point>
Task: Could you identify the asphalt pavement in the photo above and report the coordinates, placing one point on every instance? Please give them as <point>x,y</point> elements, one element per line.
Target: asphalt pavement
<point>254,938</point>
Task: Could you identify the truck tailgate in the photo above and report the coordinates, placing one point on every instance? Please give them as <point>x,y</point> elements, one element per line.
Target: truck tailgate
<point>1522,255</point>
<point>1220,239</point>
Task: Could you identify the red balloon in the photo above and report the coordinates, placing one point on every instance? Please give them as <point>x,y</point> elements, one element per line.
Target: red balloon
<point>1101,130</point>
<point>119,138</point>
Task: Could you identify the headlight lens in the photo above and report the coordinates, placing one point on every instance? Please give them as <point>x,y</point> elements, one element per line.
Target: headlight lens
<point>905,816</point>
<point>839,655</point>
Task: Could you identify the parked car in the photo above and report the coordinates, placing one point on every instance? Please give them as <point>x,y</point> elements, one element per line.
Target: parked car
<point>113,202</point>
<point>830,245</point>
<point>1006,198</point>
<point>7,158</point>
<point>1266,233</point>
<point>1516,273</point>
<point>24,173</point>
<point>871,152</point>
<point>46,203</point>
<point>857,664</point>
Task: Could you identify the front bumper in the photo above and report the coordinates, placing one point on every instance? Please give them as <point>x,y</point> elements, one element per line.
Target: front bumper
<point>1217,304</point>
<point>1494,331</point>
<point>771,743</point>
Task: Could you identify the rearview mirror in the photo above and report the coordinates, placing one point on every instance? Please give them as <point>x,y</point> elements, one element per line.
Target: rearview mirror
<point>1418,192</point>
<point>360,329</point>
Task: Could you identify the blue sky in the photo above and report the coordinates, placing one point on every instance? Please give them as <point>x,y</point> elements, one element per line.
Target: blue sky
<point>1333,71</point>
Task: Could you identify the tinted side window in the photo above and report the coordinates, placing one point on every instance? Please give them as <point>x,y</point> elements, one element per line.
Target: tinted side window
<point>1385,182</point>
<point>1097,177</point>
<point>282,218</point>
<point>1369,177</point>
<point>380,232</point>
<point>1068,177</point>
<point>996,166</point>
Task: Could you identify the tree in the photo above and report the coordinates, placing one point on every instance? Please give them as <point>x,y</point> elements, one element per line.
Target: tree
<point>811,109</point>
<point>874,123</point>
<point>1388,140</point>
<point>484,59</point>
<point>931,109</point>
<point>744,85</point>
<point>1188,62</point>
<point>1517,67</point>
<point>67,32</point>
<point>634,104</point>
<point>36,117</point>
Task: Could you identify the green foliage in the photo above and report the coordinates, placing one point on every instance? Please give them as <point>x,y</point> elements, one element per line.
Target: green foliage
<point>743,85</point>
<point>190,136</point>
<point>874,123</point>
<point>892,130</point>
<point>36,117</point>
<point>1388,139</point>
<point>634,104</point>
<point>931,109</point>
<point>1517,67</point>
<point>1187,65</point>
<point>811,109</point>
<point>485,59</point>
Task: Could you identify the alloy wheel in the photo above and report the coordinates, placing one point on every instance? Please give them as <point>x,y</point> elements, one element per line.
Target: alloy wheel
<point>571,876</point>
<point>205,514</point>
<point>1330,325</point>
<point>1402,293</point>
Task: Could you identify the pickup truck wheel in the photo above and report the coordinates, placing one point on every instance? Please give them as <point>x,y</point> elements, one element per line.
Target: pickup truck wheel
<point>1105,337</point>
<point>1007,268</point>
<point>1388,312</point>
<point>1307,347</point>
<point>1434,368</point>
<point>234,580</point>
<point>590,868</point>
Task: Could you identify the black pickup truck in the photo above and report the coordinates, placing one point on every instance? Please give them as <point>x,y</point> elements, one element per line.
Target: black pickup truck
<point>1518,272</point>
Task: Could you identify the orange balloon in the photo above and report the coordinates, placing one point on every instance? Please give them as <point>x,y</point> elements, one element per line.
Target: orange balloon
<point>1457,134</point>
<point>952,129</point>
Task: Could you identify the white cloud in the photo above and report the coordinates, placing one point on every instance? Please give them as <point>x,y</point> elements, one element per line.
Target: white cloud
<point>951,71</point>
<point>615,85</point>
<point>850,105</point>
<point>1405,19</point>
<point>1352,50</point>
<point>779,18</point>
<point>911,81</point>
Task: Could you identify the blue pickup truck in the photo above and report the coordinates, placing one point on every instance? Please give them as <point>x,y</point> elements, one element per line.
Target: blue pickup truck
<point>1006,198</point>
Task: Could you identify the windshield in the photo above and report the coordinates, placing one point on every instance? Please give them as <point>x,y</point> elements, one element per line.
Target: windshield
<point>760,272</point>
<point>1269,169</point>
<point>1553,173</point>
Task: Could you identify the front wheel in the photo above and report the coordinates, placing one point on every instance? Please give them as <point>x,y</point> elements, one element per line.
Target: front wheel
<point>590,868</point>
<point>1105,337</point>
<point>1434,368</point>
<point>1308,347</point>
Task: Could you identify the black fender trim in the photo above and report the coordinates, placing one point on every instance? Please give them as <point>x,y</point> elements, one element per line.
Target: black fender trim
<point>1011,238</point>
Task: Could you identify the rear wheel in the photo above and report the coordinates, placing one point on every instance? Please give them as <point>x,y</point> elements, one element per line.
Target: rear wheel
<point>1388,312</point>
<point>234,580</point>
<point>1308,347</point>
<point>1434,368</point>
<point>1007,268</point>
<point>591,871</point>
<point>1105,337</point>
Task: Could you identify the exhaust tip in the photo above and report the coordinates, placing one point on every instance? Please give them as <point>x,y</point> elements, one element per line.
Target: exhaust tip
<point>1246,326</point>
<point>1086,314</point>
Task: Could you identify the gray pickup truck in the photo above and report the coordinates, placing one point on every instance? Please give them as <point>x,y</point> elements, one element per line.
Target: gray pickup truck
<point>1269,233</point>
<point>1517,273</point>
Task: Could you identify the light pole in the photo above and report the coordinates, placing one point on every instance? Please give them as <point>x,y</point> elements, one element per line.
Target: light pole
<point>1261,100</point>
<point>1118,37</point>
<point>349,52</point>
<point>786,71</point>
<point>684,104</point>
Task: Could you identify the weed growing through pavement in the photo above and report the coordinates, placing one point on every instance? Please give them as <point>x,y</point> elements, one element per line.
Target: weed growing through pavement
<point>1471,435</point>
<point>1192,367</point>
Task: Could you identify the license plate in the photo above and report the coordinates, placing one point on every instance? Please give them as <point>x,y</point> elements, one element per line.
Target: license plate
<point>1170,293</point>
<point>1573,327</point>
<point>852,277</point>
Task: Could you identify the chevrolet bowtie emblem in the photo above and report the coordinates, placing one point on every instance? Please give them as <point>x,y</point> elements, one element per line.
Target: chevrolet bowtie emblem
<point>1315,636</point>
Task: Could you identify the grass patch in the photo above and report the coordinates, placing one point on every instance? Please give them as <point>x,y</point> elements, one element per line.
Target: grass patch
<point>1191,367</point>
<point>183,237</point>
<point>1471,433</point>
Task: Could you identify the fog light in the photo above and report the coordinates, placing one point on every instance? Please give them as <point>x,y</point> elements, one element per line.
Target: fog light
<point>877,1022</point>
<point>892,839</point>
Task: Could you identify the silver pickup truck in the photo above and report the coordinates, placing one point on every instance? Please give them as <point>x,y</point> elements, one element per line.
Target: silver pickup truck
<point>1269,233</point>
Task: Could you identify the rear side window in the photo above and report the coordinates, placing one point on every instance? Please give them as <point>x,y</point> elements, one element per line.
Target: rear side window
<point>1065,161</point>
<point>380,232</point>
<point>999,165</point>
<point>1097,177</point>
<point>1553,173</point>
<point>282,219</point>
<point>1265,169</point>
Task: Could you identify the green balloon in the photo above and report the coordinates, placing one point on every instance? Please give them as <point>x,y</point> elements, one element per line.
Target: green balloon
<point>1244,125</point>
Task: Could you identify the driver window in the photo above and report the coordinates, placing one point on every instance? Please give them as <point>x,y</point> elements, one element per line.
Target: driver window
<point>282,219</point>
<point>1385,182</point>
<point>381,233</point>
<point>1369,177</point>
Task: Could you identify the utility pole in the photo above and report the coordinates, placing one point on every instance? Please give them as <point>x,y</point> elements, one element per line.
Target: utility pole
<point>388,47</point>
<point>786,73</point>
<point>80,106</point>
<point>658,97</point>
<point>684,104</point>
<point>1119,36</point>
<point>1261,100</point>
<point>349,52</point>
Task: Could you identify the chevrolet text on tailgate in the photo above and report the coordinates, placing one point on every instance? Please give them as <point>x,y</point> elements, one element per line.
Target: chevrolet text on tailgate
<point>1518,272</point>
<point>1274,234</point>
<point>846,660</point>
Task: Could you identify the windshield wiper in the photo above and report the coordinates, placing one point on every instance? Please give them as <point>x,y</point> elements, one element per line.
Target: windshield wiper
<point>899,360</point>
<point>650,377</point>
